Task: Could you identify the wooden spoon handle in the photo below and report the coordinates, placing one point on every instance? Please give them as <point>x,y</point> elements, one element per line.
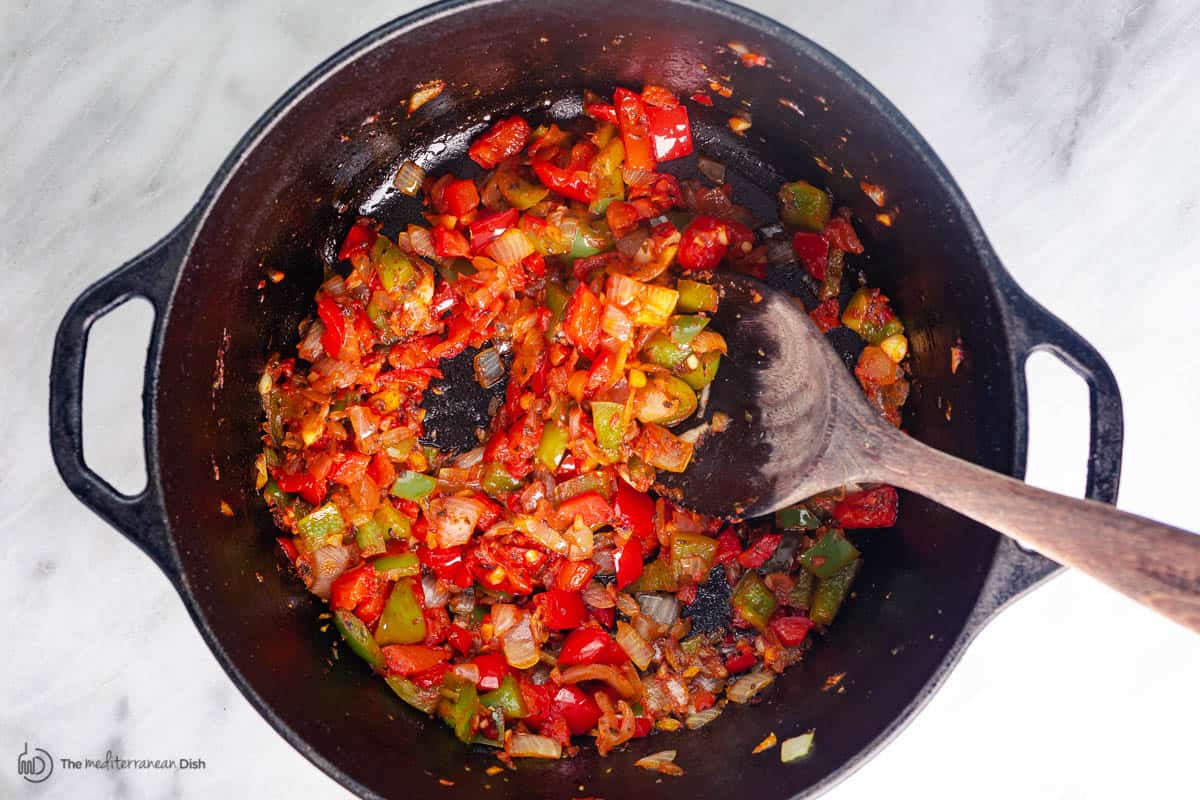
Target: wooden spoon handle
<point>1154,564</point>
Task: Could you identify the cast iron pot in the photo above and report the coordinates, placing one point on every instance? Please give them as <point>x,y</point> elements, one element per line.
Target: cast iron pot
<point>325,152</point>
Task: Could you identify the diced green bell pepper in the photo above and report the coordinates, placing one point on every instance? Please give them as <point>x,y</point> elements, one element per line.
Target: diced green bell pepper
<point>403,621</point>
<point>391,264</point>
<point>272,491</point>
<point>753,600</point>
<point>520,193</point>
<point>705,373</point>
<point>401,565</point>
<point>691,645</point>
<point>660,350</point>
<point>496,480</point>
<point>454,268</point>
<point>805,206</point>
<point>507,698</point>
<point>684,327</point>
<point>796,518</point>
<point>370,537</point>
<point>413,485</point>
<point>695,296</point>
<point>665,400</point>
<point>831,593</point>
<point>657,576</point>
<point>692,555</point>
<point>607,166</point>
<point>556,300</point>
<point>322,523</point>
<point>801,594</point>
<point>831,552</point>
<point>458,706</point>
<point>393,523</point>
<point>587,242</point>
<point>420,699</point>
<point>552,446</point>
<point>358,637</point>
<point>610,429</point>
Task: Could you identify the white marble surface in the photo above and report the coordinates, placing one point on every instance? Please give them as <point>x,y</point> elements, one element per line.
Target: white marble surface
<point>1071,126</point>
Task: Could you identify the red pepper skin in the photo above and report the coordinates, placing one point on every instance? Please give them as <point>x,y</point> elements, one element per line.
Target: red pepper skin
<point>642,727</point>
<point>757,554</point>
<point>487,228</point>
<point>450,244</point>
<point>702,98</point>
<point>288,547</point>
<point>634,511</point>
<point>655,96</point>
<point>581,320</point>
<point>574,575</point>
<point>872,508</point>
<point>427,679</point>
<point>354,587</point>
<point>827,315</point>
<point>628,561</point>
<point>701,247</point>
<point>359,241</point>
<point>460,639</point>
<point>740,663</point>
<point>446,563</point>
<point>382,470</point>
<point>813,251</point>
<point>604,112</point>
<point>504,139</point>
<point>622,217</point>
<point>461,197</point>
<point>561,610</point>
<point>840,233</point>
<point>577,707</point>
<point>349,468</point>
<point>729,546</point>
<point>591,646</point>
<point>335,325</point>
<point>572,184</point>
<point>607,617</point>
<point>309,487</point>
<point>437,626</point>
<point>790,630</point>
<point>635,129</point>
<point>670,132</point>
<point>590,506</point>
<point>492,670</point>
<point>539,701</point>
<point>408,659</point>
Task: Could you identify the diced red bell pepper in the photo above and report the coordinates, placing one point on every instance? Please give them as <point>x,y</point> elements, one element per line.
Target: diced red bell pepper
<point>349,468</point>
<point>574,575</point>
<point>757,554</point>
<point>741,662</point>
<point>607,617</point>
<point>460,639</point>
<point>704,243</point>
<point>288,547</point>
<point>431,677</point>
<point>577,707</point>
<point>581,320</point>
<point>446,562</point>
<point>729,546</point>
<point>359,241</point>
<point>628,562</point>
<point>561,610</point>
<point>492,670</point>
<point>408,659</point>
<point>591,646</point>
<point>591,507</point>
<point>656,96</point>
<point>437,625</point>
<point>703,699</point>
<point>461,197</point>
<point>841,235</point>
<point>670,132</point>
<point>354,586</point>
<point>488,227</point>
<point>382,470</point>
<point>642,727</point>
<point>604,112</point>
<point>827,315</point>
<point>703,99</point>
<point>491,513</point>
<point>872,508</point>
<point>308,486</point>
<point>813,251</point>
<point>790,630</point>
<point>622,217</point>
<point>539,700</point>
<point>634,511</point>
<point>504,139</point>
<point>449,243</point>
<point>335,325</point>
<point>635,129</point>
<point>572,184</point>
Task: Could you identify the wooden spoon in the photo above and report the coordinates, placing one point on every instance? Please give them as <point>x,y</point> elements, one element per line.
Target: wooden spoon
<point>799,425</point>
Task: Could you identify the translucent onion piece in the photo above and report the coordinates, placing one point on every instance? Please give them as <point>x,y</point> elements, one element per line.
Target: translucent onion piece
<point>469,458</point>
<point>746,687</point>
<point>713,170</point>
<point>453,519</point>
<point>421,241</point>
<point>409,179</point>
<point>424,93</point>
<point>510,248</point>
<point>520,649</point>
<point>702,718</point>
<point>435,597</point>
<point>662,761</point>
<point>328,563</point>
<point>489,368</point>
<point>527,745</point>
<point>637,648</point>
<point>596,595</point>
<point>796,747</point>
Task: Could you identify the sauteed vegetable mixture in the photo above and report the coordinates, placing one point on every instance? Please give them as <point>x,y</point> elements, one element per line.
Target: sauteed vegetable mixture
<point>535,590</point>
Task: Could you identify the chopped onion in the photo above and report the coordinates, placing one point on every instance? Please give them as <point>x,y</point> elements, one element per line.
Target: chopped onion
<point>713,170</point>
<point>409,179</point>
<point>463,603</point>
<point>468,672</point>
<point>328,563</point>
<point>701,718</point>
<point>489,367</point>
<point>647,628</point>
<point>334,287</point>
<point>637,648</point>
<point>796,747</point>
<point>527,745</point>
<point>662,608</point>
<point>453,519</point>
<point>599,672</point>
<point>421,241</point>
<point>310,347</point>
<point>520,649</point>
<point>628,606</point>
<point>629,244</point>
<point>662,761</point>
<point>616,323</point>
<point>469,458</point>
<point>510,248</point>
<point>779,251</point>
<point>596,595</point>
<point>504,617</point>
<point>746,687</point>
<point>636,177</point>
<point>435,597</point>
<point>547,537</point>
<point>424,93</point>
<point>364,421</point>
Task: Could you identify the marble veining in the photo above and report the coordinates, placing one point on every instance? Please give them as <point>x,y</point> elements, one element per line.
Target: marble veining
<point>1072,127</point>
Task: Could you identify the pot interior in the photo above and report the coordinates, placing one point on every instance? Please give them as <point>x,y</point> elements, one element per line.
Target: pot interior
<point>331,155</point>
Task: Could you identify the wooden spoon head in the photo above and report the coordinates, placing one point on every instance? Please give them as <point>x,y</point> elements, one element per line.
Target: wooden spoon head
<point>781,385</point>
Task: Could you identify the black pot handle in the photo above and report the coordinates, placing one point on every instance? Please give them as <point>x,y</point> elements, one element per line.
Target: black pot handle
<point>150,275</point>
<point>1033,329</point>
